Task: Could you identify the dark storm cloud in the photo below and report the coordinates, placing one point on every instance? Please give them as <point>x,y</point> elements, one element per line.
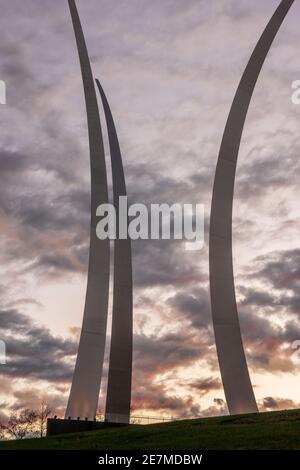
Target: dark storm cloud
<point>40,178</point>
<point>272,404</point>
<point>218,408</point>
<point>56,264</point>
<point>170,110</point>
<point>149,396</point>
<point>257,297</point>
<point>147,185</point>
<point>164,262</point>
<point>50,230</point>
<point>268,345</point>
<point>266,173</point>
<point>32,398</point>
<point>12,162</point>
<point>281,269</point>
<point>257,322</point>
<point>35,205</point>
<point>219,401</point>
<point>206,385</point>
<point>166,354</point>
<point>32,351</point>
<point>156,355</point>
<point>44,215</point>
<point>193,306</point>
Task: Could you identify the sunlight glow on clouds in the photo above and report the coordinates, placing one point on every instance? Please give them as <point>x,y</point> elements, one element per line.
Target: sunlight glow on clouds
<point>170,70</point>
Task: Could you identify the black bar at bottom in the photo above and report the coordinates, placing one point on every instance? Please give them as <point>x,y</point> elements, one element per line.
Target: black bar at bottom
<point>132,459</point>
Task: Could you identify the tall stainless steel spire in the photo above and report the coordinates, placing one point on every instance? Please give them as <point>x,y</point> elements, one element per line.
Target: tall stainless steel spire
<point>84,395</point>
<point>120,362</point>
<point>235,376</point>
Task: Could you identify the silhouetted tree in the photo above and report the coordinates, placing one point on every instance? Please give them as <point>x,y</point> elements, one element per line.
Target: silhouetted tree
<point>20,424</point>
<point>42,414</point>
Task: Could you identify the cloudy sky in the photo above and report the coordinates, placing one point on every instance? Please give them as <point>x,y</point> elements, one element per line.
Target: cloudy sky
<point>170,69</point>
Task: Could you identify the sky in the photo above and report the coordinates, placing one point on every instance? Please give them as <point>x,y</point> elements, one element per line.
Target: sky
<point>170,69</point>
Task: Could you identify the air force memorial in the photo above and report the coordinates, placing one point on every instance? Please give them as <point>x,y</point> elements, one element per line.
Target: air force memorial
<point>122,223</point>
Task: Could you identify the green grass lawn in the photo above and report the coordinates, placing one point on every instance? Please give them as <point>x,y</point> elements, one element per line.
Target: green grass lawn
<point>276,430</point>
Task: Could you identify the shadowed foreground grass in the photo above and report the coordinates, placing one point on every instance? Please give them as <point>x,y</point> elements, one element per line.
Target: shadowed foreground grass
<point>276,430</point>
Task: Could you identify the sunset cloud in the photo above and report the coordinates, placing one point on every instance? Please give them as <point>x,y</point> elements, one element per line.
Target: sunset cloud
<point>170,70</point>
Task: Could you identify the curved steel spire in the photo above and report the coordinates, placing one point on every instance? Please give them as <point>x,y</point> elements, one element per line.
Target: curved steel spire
<point>84,395</point>
<point>120,363</point>
<point>234,371</point>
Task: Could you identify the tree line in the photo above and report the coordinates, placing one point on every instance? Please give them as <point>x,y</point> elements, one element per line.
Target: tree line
<point>26,423</point>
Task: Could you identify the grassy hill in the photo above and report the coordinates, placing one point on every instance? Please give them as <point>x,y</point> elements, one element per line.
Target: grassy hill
<point>276,430</point>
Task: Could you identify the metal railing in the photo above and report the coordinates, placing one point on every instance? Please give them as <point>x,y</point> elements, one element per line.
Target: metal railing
<point>149,419</point>
<point>135,419</point>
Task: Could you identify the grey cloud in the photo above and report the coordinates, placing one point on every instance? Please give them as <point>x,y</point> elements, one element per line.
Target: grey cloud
<point>157,355</point>
<point>170,110</point>
<point>33,352</point>
<point>257,297</point>
<point>164,262</point>
<point>155,397</point>
<point>272,404</point>
<point>193,306</point>
<point>206,385</point>
<point>281,269</point>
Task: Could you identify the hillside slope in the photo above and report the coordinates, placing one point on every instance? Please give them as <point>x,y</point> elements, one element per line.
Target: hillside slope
<point>276,430</point>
